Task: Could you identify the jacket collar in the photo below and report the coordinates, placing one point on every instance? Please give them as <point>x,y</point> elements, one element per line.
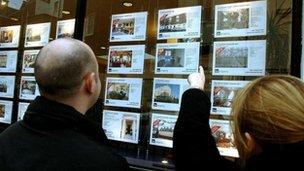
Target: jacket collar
<point>44,115</point>
<point>47,114</point>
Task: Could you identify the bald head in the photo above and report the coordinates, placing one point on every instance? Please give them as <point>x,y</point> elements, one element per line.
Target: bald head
<point>61,66</point>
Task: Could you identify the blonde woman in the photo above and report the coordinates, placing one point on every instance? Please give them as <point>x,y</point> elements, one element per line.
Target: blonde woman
<point>268,116</point>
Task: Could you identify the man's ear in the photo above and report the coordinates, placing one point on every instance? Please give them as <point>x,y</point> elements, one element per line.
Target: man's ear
<point>90,83</point>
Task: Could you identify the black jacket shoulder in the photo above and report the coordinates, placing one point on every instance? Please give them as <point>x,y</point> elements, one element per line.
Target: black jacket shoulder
<point>54,136</point>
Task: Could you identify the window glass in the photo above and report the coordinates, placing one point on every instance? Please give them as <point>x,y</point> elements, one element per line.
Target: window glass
<point>25,27</point>
<point>146,50</point>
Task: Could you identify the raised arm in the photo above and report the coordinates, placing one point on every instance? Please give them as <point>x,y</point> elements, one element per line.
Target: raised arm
<point>193,144</point>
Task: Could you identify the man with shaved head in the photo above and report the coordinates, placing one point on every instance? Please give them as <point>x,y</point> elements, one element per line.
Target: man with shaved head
<point>55,133</point>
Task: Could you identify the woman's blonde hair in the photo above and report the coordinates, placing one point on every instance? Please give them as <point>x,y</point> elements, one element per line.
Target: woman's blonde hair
<point>271,110</point>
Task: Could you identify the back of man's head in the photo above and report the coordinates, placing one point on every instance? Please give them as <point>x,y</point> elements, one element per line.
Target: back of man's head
<point>61,66</point>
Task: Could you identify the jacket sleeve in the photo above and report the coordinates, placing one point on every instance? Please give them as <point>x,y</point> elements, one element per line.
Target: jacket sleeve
<point>193,144</point>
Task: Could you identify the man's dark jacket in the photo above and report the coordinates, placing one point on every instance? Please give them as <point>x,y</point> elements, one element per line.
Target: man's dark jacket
<point>53,136</point>
<point>194,148</point>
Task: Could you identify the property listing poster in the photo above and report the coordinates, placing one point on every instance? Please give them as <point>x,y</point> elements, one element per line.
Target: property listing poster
<point>222,94</point>
<point>177,58</point>
<point>223,137</point>
<point>128,27</point>
<point>128,59</point>
<point>9,36</point>
<point>167,93</point>
<point>6,108</point>
<point>239,58</point>
<point>162,128</point>
<point>65,28</point>
<point>179,23</point>
<point>29,58</point>
<point>28,88</point>
<point>7,86</point>
<point>240,19</point>
<point>8,61</point>
<point>121,126</point>
<point>123,92</point>
<point>37,34</point>
<point>22,107</point>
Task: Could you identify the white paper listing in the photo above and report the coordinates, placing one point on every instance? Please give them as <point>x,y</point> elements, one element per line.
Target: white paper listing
<point>7,86</point>
<point>222,94</point>
<point>121,126</point>
<point>6,108</point>
<point>239,58</point>
<point>167,93</point>
<point>9,36</point>
<point>223,136</point>
<point>177,58</point>
<point>29,58</point>
<point>28,88</point>
<point>128,27</point>
<point>65,28</point>
<point>162,128</point>
<point>123,92</point>
<point>37,34</point>
<point>240,19</point>
<point>128,59</point>
<point>8,61</point>
<point>179,23</point>
<point>22,107</point>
